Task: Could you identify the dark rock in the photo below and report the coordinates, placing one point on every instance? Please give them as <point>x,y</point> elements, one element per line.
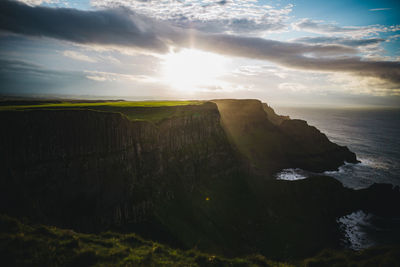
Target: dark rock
<point>183,180</point>
<point>88,170</point>
<point>271,142</point>
<point>272,116</point>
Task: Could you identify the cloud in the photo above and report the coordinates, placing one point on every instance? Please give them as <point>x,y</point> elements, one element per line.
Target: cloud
<point>11,67</point>
<point>102,76</point>
<point>321,27</point>
<point>233,26</point>
<point>364,85</point>
<point>37,2</point>
<point>91,59</point>
<point>340,40</point>
<point>294,87</point>
<point>122,27</point>
<point>259,48</point>
<point>380,9</point>
<point>299,56</point>
<point>24,77</point>
<point>107,27</point>
<point>78,56</point>
<point>369,47</point>
<point>234,17</point>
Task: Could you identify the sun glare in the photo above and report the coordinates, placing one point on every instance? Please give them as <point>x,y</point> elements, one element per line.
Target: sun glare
<point>192,70</point>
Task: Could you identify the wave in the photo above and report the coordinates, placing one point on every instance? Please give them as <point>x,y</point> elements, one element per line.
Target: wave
<point>354,226</point>
<point>291,174</point>
<point>376,163</point>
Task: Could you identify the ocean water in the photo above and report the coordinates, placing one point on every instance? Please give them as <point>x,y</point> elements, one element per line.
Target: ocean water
<point>374,135</point>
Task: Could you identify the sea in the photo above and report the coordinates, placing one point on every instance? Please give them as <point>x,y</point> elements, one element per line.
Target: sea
<point>374,135</point>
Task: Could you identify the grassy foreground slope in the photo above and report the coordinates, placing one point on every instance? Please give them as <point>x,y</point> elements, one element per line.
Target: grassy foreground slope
<point>134,110</point>
<point>39,245</point>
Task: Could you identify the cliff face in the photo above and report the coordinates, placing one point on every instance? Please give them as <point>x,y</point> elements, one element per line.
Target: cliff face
<point>272,116</point>
<point>309,149</point>
<point>181,180</point>
<point>271,142</point>
<point>91,169</point>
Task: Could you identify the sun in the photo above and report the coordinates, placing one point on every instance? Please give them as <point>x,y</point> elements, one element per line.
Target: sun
<point>192,70</point>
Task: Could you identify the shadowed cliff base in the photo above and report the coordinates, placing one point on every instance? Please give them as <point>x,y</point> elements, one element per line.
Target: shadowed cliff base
<point>197,177</point>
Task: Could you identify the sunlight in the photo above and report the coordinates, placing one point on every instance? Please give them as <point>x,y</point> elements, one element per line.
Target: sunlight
<point>192,70</point>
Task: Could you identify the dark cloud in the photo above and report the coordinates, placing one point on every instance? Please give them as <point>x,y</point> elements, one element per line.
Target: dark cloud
<point>259,48</point>
<point>107,27</point>
<point>340,40</point>
<point>385,70</point>
<point>301,56</point>
<point>120,27</point>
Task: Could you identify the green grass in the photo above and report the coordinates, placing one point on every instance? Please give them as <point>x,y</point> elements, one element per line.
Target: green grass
<point>39,245</point>
<point>123,104</point>
<point>153,111</point>
<point>23,244</point>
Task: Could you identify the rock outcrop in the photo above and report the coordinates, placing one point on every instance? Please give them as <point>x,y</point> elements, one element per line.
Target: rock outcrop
<point>271,142</point>
<point>272,116</point>
<point>309,149</point>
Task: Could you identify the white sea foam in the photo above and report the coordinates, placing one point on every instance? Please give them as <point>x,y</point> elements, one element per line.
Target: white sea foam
<point>373,136</point>
<point>354,226</point>
<point>291,175</point>
<point>375,163</point>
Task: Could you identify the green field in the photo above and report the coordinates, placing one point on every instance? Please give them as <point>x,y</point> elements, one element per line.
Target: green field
<point>122,104</point>
<point>153,111</point>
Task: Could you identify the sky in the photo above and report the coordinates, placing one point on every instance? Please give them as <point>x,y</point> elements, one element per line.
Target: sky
<point>342,53</point>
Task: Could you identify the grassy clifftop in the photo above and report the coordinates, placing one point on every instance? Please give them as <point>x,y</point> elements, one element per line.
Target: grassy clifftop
<point>23,105</point>
<point>153,111</point>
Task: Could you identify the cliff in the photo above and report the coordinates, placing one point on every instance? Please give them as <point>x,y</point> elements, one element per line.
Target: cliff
<point>272,116</point>
<point>309,149</point>
<point>271,142</point>
<point>90,169</point>
<point>186,179</point>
